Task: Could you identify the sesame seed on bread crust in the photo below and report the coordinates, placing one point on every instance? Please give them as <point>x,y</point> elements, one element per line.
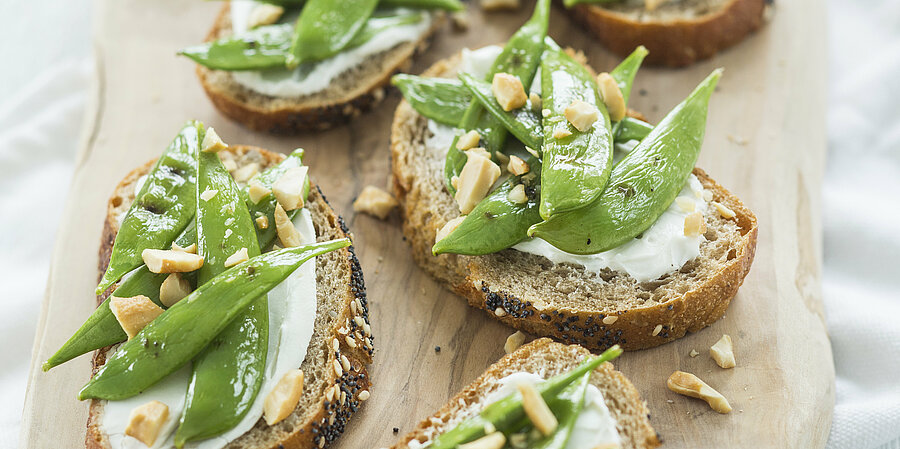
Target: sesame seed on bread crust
<point>339,282</point>
<point>564,301</point>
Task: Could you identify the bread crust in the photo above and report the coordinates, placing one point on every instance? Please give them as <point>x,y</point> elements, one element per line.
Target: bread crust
<point>621,397</point>
<point>318,424</point>
<point>673,43</point>
<point>633,329</point>
<point>304,114</point>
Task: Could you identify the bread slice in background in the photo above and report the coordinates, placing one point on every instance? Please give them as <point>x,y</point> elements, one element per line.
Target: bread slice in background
<point>351,93</point>
<point>547,359</point>
<point>339,282</point>
<point>677,33</point>
<point>564,301</point>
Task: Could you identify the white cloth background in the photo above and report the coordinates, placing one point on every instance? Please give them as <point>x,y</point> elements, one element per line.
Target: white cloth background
<point>43,90</point>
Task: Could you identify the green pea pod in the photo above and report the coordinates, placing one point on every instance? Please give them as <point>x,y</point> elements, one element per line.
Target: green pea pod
<point>164,346</point>
<point>523,123</point>
<point>506,412</point>
<point>632,129</point>
<point>443,100</point>
<point>161,209</point>
<point>102,329</point>
<point>575,167</point>
<point>496,223</point>
<point>641,186</point>
<point>260,48</point>
<point>565,407</point>
<point>626,70</point>
<point>521,58</point>
<point>266,205</point>
<point>323,29</point>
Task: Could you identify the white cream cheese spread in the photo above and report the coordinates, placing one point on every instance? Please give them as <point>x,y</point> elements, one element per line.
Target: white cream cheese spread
<point>310,78</point>
<point>292,315</point>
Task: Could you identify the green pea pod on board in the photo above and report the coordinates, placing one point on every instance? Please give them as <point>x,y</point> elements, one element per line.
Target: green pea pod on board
<point>507,412</point>
<point>642,185</point>
<point>323,30</point>
<point>566,407</point>
<point>523,123</point>
<point>227,375</point>
<point>496,223</point>
<point>632,129</point>
<point>443,100</point>
<point>266,205</point>
<point>163,346</point>
<point>521,57</point>
<point>162,208</point>
<point>260,48</point>
<point>575,167</point>
<point>102,329</point>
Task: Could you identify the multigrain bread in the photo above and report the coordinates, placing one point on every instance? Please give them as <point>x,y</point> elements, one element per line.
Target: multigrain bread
<point>564,301</point>
<point>339,282</point>
<point>677,33</point>
<point>547,359</point>
<point>353,92</point>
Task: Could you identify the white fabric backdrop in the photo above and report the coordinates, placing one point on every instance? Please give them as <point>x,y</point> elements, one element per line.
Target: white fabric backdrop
<point>43,94</point>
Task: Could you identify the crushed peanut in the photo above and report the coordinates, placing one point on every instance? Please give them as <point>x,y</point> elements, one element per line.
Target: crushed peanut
<point>514,341</point>
<point>612,96</point>
<point>536,102</point>
<point>561,133</point>
<point>208,194</point>
<point>545,112</point>
<point>290,187</point>
<point>189,249</point>
<point>724,211</point>
<point>170,261</point>
<point>375,202</point>
<point>723,352</point>
<point>257,191</point>
<point>236,258</point>
<point>581,115</point>
<point>262,222</point>
<point>694,353</point>
<point>690,385</point>
<point>517,194</point>
<point>454,181</point>
<point>475,180</point>
<point>246,172</point>
<point>134,313</point>
<point>229,164</point>
<point>283,399</point>
<point>494,440</point>
<point>517,166</point>
<point>468,140</point>
<point>212,143</point>
<point>173,289</point>
<point>694,225</point>
<point>145,421</point>
<point>448,228</point>
<point>537,410</point>
<point>287,233</point>
<point>478,151</point>
<point>508,91</point>
<point>685,204</point>
<point>264,14</point>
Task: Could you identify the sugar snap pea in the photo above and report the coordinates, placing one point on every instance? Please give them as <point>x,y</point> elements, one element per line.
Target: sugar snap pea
<point>164,346</point>
<point>161,209</point>
<point>508,411</point>
<point>520,57</point>
<point>632,129</point>
<point>576,164</point>
<point>323,30</point>
<point>641,186</point>
<point>523,123</point>
<point>443,100</point>
<point>496,223</point>
<point>227,375</point>
<point>266,205</point>
<point>260,48</point>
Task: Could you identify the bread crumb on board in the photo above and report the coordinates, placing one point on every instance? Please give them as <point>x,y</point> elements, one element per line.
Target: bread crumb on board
<point>375,202</point>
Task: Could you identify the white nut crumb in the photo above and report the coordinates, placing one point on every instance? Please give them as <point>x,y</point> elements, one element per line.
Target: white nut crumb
<point>246,172</point>
<point>375,202</point>
<point>208,194</point>
<point>283,399</point>
<point>500,312</point>
<point>229,164</point>
<point>581,115</point>
<point>537,410</point>
<point>239,256</point>
<point>192,248</point>
<point>262,222</point>
<point>723,210</point>
<point>145,422</point>
<point>212,143</point>
<point>475,180</point>
<point>479,152</point>
<point>517,166</point>
<point>685,204</point>
<point>508,91</point>
<point>561,133</point>
<point>287,233</point>
<point>694,225</point>
<point>517,194</point>
<point>537,103</point>
<point>514,341</point>
<point>723,352</point>
<point>694,353</point>
<point>173,289</point>
<point>545,112</point>
<point>134,313</point>
<point>257,191</point>
<point>170,261</point>
<point>291,187</point>
<point>612,96</point>
<point>448,228</point>
<point>468,140</point>
<point>264,14</point>
<point>690,385</point>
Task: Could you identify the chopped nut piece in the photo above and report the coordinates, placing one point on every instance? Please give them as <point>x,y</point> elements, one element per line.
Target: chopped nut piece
<point>545,112</point>
<point>494,440</point>
<point>264,14</point>
<point>478,151</point>
<point>536,102</point>
<point>448,228</point>
<point>229,164</point>
<point>134,313</point>
<point>690,385</point>
<point>694,353</point>
<point>537,410</point>
<point>610,319</point>
<point>145,421</point>
<point>517,166</point>
<point>561,133</point>
<point>190,249</point>
<point>283,399</point>
<point>581,115</point>
<point>496,5</point>
<point>256,191</point>
<point>724,211</point>
<point>508,91</point>
<point>262,222</point>
<point>376,202</point>
<point>208,194</point>
<point>533,152</point>
<point>694,224</point>
<point>287,233</point>
<point>290,187</point>
<point>454,181</point>
<point>173,289</point>
<point>475,180</point>
<point>460,20</point>
<point>612,96</point>
<point>236,258</point>
<point>468,140</point>
<point>246,172</point>
<point>685,204</point>
<point>723,352</point>
<point>212,143</point>
<point>170,261</point>
<point>517,194</point>
<point>513,342</point>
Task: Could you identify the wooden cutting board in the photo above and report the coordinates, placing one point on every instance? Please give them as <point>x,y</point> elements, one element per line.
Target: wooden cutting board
<point>765,142</point>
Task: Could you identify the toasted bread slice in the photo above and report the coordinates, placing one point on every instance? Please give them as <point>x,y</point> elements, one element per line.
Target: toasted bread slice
<point>677,33</point>
<point>564,301</point>
<point>546,358</point>
<point>317,421</point>
<point>353,92</point>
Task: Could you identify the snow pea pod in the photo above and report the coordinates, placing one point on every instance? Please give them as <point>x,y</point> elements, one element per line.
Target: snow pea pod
<point>443,100</point>
<point>260,48</point>
<point>161,209</point>
<point>576,165</point>
<point>163,346</point>
<point>266,205</point>
<point>102,329</point>
<point>632,129</point>
<point>520,57</point>
<point>506,412</point>
<point>523,123</point>
<point>496,223</point>
<point>641,186</point>
<point>227,375</point>
<point>323,30</point>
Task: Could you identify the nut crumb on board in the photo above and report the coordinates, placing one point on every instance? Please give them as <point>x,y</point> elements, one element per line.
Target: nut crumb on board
<point>690,385</point>
<point>375,202</point>
<point>723,352</point>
